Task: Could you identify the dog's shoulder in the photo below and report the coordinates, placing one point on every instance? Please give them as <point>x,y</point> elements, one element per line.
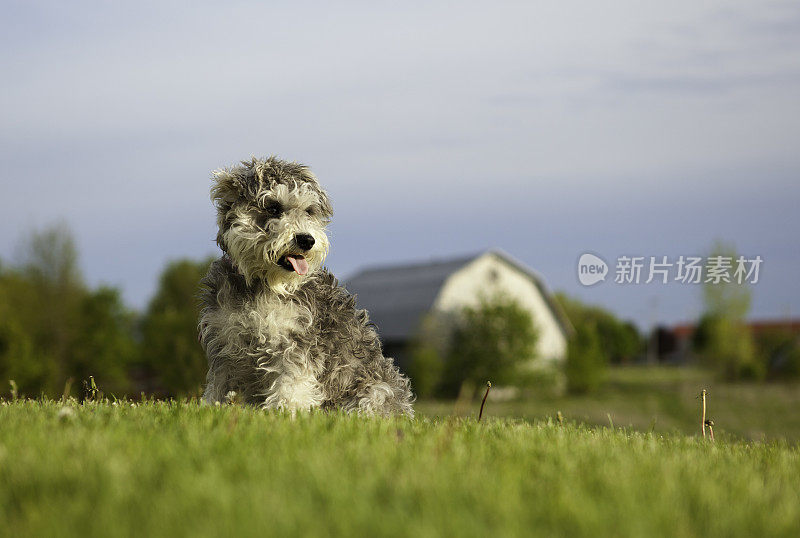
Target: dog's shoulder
<point>324,288</point>
<point>223,282</point>
<point>330,298</point>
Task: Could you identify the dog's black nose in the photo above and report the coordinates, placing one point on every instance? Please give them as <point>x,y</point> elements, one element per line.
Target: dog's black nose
<point>304,241</point>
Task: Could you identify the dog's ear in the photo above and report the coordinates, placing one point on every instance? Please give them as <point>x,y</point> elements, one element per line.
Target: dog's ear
<point>230,186</point>
<point>227,189</point>
<point>325,203</point>
<point>308,176</point>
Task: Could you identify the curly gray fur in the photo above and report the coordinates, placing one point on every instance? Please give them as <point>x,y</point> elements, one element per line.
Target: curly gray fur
<point>276,337</point>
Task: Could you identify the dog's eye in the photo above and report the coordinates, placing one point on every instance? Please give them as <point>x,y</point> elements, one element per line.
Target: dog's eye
<point>311,210</point>
<point>273,210</point>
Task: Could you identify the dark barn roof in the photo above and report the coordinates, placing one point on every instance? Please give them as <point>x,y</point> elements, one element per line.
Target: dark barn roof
<point>397,296</point>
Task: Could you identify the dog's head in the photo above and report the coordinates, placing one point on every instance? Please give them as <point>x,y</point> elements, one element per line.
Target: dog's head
<point>272,216</point>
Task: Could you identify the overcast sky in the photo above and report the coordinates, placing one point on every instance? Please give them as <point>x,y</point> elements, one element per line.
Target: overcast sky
<point>546,129</point>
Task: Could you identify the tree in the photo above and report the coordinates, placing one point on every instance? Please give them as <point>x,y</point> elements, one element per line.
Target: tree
<point>586,364</point>
<point>620,341</point>
<point>722,340</point>
<point>170,349</point>
<point>53,328</point>
<point>50,263</point>
<point>21,356</point>
<point>778,349</point>
<point>494,340</point>
<point>50,259</point>
<point>104,344</point>
<point>600,339</point>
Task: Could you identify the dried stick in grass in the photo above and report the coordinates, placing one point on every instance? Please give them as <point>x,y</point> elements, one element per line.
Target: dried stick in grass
<point>483,402</point>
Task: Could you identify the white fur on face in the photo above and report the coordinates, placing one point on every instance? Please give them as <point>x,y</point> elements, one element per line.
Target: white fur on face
<point>256,251</point>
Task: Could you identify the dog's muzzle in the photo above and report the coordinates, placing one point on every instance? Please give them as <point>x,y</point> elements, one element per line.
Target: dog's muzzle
<point>297,262</point>
<point>304,241</point>
<point>294,262</point>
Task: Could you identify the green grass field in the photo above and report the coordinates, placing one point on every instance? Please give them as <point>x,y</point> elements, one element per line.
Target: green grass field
<point>661,400</point>
<point>181,469</point>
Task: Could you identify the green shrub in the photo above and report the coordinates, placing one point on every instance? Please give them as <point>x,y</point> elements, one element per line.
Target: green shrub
<point>586,365</point>
<point>620,340</point>
<point>425,370</point>
<point>722,341</point>
<point>791,367</point>
<point>726,346</point>
<point>495,340</point>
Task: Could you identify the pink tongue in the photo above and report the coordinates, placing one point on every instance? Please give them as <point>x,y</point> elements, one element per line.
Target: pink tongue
<point>300,264</point>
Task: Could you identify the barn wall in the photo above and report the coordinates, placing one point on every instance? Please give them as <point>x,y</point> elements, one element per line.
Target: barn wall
<point>487,274</point>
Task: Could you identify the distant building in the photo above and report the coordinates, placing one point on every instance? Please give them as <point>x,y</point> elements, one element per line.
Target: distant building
<point>398,298</point>
<point>673,345</point>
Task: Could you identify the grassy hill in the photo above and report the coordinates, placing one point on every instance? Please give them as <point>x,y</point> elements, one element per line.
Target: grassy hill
<point>182,469</point>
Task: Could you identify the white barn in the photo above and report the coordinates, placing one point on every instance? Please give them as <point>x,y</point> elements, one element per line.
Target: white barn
<point>398,297</point>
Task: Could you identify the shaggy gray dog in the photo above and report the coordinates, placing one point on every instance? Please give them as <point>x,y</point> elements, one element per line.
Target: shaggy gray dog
<point>277,328</point>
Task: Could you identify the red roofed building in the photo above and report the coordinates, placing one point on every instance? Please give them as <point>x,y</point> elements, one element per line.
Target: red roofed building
<point>674,344</point>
